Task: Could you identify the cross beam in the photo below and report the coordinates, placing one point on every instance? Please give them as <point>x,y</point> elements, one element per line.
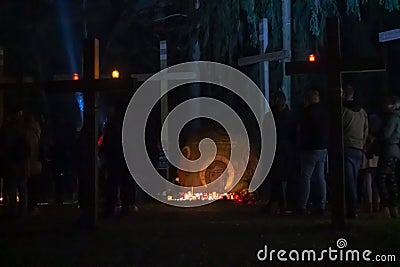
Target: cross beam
<point>263,58</point>
<point>274,56</point>
<point>101,85</point>
<point>334,66</point>
<point>90,85</point>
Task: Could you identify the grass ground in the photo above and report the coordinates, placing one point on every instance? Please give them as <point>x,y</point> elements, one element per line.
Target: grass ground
<point>220,234</point>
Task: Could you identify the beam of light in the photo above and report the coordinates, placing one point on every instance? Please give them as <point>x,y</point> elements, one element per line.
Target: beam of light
<point>67,35</point>
<point>71,52</point>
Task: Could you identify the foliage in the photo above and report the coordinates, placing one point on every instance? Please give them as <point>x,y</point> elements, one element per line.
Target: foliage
<point>230,25</point>
<point>226,26</point>
<point>224,29</point>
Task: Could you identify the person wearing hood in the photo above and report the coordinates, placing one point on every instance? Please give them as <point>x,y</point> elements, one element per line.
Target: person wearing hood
<point>355,133</point>
<point>389,158</point>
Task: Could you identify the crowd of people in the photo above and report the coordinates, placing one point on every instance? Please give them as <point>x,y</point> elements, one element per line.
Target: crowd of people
<point>20,138</point>
<point>27,157</point>
<point>299,179</point>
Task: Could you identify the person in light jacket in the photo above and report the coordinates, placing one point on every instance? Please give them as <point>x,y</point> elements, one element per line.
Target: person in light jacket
<point>355,133</point>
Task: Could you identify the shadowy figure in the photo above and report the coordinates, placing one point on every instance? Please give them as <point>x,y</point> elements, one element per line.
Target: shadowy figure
<point>82,151</point>
<point>118,175</point>
<point>63,151</point>
<point>314,138</point>
<point>16,161</point>
<point>33,131</point>
<point>282,165</point>
<point>389,158</point>
<point>369,187</point>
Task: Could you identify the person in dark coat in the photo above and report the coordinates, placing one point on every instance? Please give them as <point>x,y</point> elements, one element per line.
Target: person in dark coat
<point>367,186</point>
<point>17,153</point>
<point>65,135</point>
<point>389,157</point>
<point>282,164</point>
<point>34,131</point>
<point>118,175</point>
<point>82,150</point>
<point>314,138</point>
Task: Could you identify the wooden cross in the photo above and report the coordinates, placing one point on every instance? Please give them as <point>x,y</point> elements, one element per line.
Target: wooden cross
<point>1,113</point>
<point>334,66</point>
<point>164,87</point>
<point>90,85</point>
<point>263,58</point>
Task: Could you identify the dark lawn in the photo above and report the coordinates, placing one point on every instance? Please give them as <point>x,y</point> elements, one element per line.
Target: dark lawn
<point>220,234</point>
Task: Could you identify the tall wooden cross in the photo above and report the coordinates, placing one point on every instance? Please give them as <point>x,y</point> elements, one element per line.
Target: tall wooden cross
<point>163,90</point>
<point>1,113</point>
<point>89,85</point>
<point>334,66</point>
<point>264,58</point>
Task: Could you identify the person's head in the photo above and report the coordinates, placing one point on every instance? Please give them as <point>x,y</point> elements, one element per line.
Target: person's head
<point>311,97</point>
<point>347,93</point>
<point>279,100</point>
<point>391,104</point>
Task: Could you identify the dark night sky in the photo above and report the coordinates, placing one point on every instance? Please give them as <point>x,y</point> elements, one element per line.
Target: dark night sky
<point>46,37</point>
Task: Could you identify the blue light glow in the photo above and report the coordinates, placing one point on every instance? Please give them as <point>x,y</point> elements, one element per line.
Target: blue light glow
<point>79,99</point>
<point>67,35</point>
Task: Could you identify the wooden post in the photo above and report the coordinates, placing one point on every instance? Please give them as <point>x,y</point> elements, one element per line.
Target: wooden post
<point>336,151</point>
<point>164,99</point>
<point>1,61</point>
<point>90,73</point>
<point>195,89</point>
<point>163,65</point>
<point>1,93</point>
<point>287,45</point>
<point>385,52</point>
<point>264,66</point>
<point>1,112</point>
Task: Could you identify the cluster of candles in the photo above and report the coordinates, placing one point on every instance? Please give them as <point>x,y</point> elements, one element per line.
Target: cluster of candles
<point>190,196</point>
<point>196,196</point>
